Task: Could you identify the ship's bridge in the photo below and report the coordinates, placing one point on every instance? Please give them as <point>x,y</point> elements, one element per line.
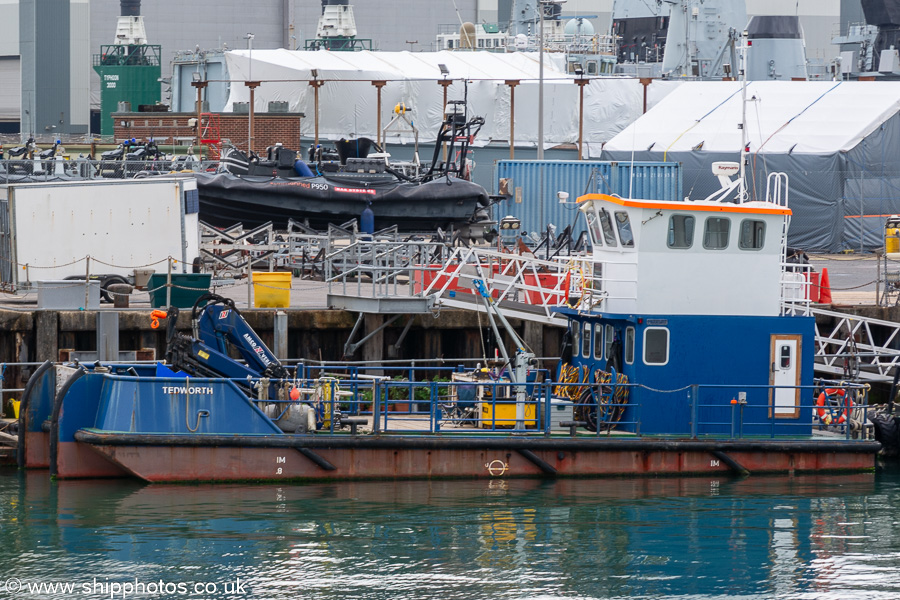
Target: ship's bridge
<point>686,258</point>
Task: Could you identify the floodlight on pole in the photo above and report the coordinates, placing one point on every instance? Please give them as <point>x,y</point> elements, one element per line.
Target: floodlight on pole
<point>540,142</point>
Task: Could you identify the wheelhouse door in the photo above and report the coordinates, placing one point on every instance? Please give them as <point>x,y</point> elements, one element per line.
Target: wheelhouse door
<point>784,402</point>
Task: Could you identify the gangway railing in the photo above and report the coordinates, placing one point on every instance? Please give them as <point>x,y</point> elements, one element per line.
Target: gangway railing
<point>856,347</point>
<point>433,270</point>
<point>529,286</point>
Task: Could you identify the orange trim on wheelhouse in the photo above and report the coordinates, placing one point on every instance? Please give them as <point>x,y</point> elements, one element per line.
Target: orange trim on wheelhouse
<point>711,207</point>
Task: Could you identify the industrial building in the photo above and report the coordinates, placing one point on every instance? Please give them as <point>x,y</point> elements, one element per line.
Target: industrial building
<point>48,85</point>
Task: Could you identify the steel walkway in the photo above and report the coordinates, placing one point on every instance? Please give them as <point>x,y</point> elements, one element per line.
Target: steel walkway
<point>856,347</point>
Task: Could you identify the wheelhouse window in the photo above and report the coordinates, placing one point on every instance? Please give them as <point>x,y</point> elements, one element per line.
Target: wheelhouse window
<point>624,225</point>
<point>715,235</point>
<point>606,223</point>
<point>629,345</point>
<point>753,235</point>
<point>576,337</point>
<point>594,226</point>
<point>586,340</point>
<point>681,231</point>
<point>656,346</point>
<point>598,341</point>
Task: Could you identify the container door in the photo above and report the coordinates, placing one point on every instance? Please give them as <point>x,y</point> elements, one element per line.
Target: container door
<point>784,402</point>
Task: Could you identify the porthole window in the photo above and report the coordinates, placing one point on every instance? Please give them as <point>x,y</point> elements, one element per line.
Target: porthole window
<point>715,235</point>
<point>681,231</point>
<point>753,235</point>
<point>629,345</point>
<point>656,346</point>
<point>624,225</point>
<point>586,340</point>
<point>598,341</point>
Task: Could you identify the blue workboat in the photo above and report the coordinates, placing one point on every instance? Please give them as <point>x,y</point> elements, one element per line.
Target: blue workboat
<point>691,352</point>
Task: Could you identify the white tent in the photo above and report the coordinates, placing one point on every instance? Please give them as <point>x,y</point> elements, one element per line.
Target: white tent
<point>837,141</point>
<point>348,100</point>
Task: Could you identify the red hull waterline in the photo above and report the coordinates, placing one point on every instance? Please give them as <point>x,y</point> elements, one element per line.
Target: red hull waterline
<point>37,450</point>
<point>204,463</point>
<point>80,461</point>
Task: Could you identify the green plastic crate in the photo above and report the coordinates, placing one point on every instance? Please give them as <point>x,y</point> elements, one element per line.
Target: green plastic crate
<point>186,288</point>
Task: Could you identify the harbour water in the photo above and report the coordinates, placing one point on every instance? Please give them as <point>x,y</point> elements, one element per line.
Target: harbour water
<point>803,537</point>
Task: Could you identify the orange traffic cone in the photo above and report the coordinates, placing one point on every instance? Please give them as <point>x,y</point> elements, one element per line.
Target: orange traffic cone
<point>824,288</point>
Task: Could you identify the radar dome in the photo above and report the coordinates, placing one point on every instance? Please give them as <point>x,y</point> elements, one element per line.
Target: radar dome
<point>579,27</point>
<point>521,41</point>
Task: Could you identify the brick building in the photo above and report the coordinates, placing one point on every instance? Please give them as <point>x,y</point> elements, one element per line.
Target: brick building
<point>177,129</point>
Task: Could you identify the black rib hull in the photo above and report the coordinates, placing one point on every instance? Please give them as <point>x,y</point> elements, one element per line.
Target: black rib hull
<point>226,199</point>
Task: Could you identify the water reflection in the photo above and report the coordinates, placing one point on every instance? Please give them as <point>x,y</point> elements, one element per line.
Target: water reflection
<point>762,537</point>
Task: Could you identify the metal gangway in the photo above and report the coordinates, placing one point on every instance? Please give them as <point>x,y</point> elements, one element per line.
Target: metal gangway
<point>426,276</point>
<point>856,347</point>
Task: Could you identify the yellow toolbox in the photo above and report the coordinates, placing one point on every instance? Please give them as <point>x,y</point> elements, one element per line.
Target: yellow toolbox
<point>502,414</point>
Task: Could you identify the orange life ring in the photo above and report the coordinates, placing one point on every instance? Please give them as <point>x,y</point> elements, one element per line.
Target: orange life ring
<point>826,415</point>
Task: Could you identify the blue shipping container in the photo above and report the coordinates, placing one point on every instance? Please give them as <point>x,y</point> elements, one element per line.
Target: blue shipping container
<point>533,186</point>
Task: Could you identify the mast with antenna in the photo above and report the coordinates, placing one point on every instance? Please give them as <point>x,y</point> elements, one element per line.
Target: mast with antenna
<point>742,195</point>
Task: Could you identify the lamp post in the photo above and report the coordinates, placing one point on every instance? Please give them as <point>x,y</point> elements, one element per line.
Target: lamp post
<point>512,83</point>
<point>540,140</point>
<point>445,83</point>
<point>316,84</point>
<point>252,85</point>
<point>540,148</point>
<point>580,81</point>
<point>378,85</point>
<point>200,85</point>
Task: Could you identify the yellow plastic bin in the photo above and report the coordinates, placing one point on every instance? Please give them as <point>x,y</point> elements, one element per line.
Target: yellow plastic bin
<point>892,234</point>
<point>271,290</point>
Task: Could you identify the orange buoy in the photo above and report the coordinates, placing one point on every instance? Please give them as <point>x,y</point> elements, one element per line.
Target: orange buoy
<point>825,414</point>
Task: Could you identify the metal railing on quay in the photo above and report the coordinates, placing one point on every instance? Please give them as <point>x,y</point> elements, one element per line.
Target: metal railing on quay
<point>13,170</point>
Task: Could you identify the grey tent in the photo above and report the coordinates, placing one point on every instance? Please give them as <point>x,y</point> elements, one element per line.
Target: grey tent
<point>838,142</point>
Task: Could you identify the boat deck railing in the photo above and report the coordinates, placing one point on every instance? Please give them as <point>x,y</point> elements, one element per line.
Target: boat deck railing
<point>480,406</point>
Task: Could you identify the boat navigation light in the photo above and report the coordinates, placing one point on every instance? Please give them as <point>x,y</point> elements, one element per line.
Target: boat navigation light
<point>562,196</point>
<point>510,222</point>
